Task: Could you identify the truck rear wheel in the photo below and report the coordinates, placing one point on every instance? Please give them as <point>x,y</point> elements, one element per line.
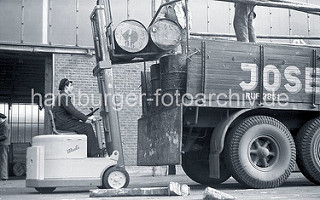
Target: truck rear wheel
<point>308,150</point>
<point>196,165</point>
<point>260,152</point>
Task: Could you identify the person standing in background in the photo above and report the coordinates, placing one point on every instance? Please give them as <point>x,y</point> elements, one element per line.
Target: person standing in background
<point>5,140</point>
<point>243,22</point>
<point>177,12</point>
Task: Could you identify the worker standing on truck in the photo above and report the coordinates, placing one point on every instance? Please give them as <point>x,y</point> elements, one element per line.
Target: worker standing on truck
<point>68,118</point>
<point>177,12</point>
<point>5,137</point>
<point>243,22</point>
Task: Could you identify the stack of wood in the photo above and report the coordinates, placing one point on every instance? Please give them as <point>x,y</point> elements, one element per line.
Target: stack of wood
<point>303,7</point>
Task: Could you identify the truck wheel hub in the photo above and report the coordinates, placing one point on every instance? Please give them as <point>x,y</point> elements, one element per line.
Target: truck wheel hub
<point>263,152</point>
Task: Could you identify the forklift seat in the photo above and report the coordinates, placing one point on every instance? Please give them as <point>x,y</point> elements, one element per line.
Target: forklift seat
<point>53,125</point>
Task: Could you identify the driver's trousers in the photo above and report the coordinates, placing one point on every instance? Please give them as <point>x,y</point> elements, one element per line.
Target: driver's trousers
<point>86,129</point>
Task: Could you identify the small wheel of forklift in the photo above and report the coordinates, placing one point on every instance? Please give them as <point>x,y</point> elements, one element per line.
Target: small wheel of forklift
<point>115,178</point>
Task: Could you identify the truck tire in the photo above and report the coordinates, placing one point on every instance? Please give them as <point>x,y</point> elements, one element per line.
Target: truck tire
<point>45,190</point>
<point>196,166</point>
<point>115,178</point>
<point>308,150</point>
<point>260,152</point>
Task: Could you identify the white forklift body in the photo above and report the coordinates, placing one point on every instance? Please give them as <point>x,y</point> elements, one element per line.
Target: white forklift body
<point>61,160</point>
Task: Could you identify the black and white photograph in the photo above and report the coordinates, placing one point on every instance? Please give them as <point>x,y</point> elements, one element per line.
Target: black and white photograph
<point>159,99</point>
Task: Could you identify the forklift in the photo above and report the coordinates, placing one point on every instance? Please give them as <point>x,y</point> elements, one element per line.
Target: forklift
<point>60,159</point>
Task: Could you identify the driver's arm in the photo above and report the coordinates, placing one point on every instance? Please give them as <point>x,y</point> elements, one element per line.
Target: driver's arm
<point>68,106</point>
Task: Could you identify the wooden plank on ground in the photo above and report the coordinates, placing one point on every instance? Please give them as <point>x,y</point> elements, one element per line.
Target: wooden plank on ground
<point>174,189</point>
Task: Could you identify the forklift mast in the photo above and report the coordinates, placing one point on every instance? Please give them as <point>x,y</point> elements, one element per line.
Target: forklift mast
<point>107,55</point>
<point>101,22</point>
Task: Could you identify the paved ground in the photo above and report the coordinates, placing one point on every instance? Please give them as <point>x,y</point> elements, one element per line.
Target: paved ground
<point>297,187</point>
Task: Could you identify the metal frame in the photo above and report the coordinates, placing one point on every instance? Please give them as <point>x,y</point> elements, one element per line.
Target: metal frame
<point>278,37</point>
<point>314,77</point>
<point>120,58</point>
<point>18,126</point>
<point>5,47</point>
<point>103,71</point>
<point>261,68</point>
<point>203,65</point>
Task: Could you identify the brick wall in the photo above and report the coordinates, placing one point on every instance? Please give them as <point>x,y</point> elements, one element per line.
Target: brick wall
<point>127,80</point>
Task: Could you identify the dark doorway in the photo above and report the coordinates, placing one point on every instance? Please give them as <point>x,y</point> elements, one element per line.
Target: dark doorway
<point>21,75</point>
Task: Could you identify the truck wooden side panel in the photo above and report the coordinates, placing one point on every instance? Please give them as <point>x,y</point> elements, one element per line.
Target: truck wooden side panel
<point>229,74</point>
<point>160,138</point>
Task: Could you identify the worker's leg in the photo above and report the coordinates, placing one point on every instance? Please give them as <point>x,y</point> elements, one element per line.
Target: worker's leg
<point>93,146</point>
<point>240,22</point>
<point>184,42</point>
<point>86,129</point>
<point>4,162</point>
<point>252,35</point>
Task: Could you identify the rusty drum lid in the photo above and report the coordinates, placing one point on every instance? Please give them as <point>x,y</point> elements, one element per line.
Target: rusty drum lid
<point>131,36</point>
<point>165,33</point>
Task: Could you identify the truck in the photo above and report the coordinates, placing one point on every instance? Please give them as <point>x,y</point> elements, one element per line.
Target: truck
<point>226,108</point>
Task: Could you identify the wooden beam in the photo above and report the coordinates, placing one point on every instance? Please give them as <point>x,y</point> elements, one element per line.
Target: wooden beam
<point>174,189</point>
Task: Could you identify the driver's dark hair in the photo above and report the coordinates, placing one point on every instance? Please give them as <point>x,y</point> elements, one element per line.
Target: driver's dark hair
<point>63,83</point>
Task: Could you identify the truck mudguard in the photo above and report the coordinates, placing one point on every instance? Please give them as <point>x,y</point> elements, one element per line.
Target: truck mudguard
<point>217,142</point>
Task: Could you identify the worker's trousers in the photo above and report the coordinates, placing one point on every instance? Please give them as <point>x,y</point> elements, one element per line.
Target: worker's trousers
<point>243,22</point>
<point>86,129</point>
<point>4,149</point>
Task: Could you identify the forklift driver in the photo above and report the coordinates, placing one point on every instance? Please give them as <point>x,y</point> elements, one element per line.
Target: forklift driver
<point>68,118</point>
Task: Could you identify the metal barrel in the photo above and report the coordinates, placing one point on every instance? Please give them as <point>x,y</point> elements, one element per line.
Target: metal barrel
<point>131,36</point>
<point>173,76</point>
<point>155,84</point>
<point>155,77</point>
<point>165,34</point>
